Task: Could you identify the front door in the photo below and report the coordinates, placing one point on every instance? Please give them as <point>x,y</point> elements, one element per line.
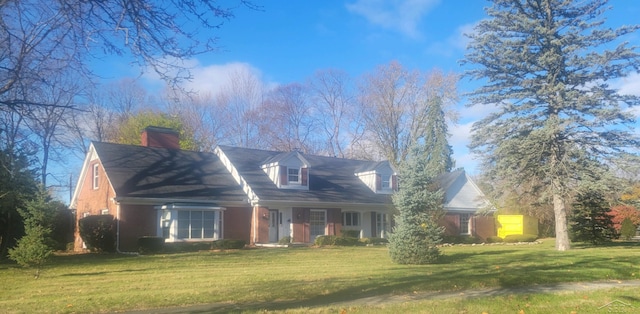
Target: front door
<point>273,226</point>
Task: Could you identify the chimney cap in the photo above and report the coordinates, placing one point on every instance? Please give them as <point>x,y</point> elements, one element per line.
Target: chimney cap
<point>160,129</point>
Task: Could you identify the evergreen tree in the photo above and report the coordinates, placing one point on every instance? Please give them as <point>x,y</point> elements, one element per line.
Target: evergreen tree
<point>436,133</point>
<point>419,203</point>
<point>35,247</point>
<point>590,219</point>
<point>547,66</point>
<point>628,229</point>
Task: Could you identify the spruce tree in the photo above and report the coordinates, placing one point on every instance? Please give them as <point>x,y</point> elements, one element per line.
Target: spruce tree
<point>419,202</point>
<point>591,219</point>
<point>548,67</point>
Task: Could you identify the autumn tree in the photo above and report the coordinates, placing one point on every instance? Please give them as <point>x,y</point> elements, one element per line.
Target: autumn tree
<point>547,67</point>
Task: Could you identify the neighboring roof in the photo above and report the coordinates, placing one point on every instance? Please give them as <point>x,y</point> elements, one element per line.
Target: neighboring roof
<point>331,179</point>
<point>149,172</point>
<point>461,193</point>
<point>367,166</point>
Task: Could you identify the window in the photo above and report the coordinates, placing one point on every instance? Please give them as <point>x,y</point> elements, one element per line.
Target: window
<point>95,176</point>
<point>386,182</point>
<point>465,219</point>
<point>196,224</point>
<point>351,219</point>
<point>382,225</point>
<point>104,211</point>
<point>317,223</point>
<point>293,175</point>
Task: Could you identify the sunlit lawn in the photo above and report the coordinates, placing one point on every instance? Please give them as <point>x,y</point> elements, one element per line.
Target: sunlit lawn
<point>304,278</point>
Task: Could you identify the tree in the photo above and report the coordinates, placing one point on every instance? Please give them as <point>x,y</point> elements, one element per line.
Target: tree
<point>35,247</point>
<point>590,218</point>
<point>396,104</point>
<point>419,202</point>
<point>131,128</point>
<point>41,38</point>
<point>621,212</point>
<point>548,66</point>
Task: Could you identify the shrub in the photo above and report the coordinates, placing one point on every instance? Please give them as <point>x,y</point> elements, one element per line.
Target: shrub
<point>181,247</point>
<point>329,240</point>
<point>227,244</point>
<point>150,245</point>
<point>628,229</point>
<point>494,239</point>
<point>284,240</point>
<point>374,241</point>
<point>351,233</point>
<point>461,239</point>
<point>32,250</point>
<point>98,233</point>
<point>515,238</point>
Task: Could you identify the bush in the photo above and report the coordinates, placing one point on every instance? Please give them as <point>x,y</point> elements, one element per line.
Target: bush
<point>182,247</point>
<point>98,233</point>
<point>351,233</point>
<point>461,239</point>
<point>284,240</point>
<point>494,239</point>
<point>330,240</point>
<point>150,245</point>
<point>627,229</point>
<point>374,241</point>
<point>515,238</point>
<point>32,250</point>
<point>227,244</point>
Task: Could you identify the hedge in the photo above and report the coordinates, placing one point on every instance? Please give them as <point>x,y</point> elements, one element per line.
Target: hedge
<point>515,238</point>
<point>150,245</point>
<point>98,232</point>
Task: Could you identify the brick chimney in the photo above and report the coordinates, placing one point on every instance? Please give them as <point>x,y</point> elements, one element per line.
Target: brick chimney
<point>155,136</point>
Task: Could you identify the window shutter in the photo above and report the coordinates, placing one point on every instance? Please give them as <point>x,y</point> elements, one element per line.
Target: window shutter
<point>394,182</point>
<point>284,176</point>
<point>378,182</point>
<point>305,176</point>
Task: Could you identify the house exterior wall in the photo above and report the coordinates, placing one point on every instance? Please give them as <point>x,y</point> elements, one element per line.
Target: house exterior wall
<point>451,224</point>
<point>300,221</point>
<point>135,221</point>
<point>484,226</point>
<point>237,223</point>
<point>92,201</point>
<point>260,225</point>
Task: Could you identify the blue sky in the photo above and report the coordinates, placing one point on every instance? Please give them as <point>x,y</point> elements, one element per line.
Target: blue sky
<point>289,40</point>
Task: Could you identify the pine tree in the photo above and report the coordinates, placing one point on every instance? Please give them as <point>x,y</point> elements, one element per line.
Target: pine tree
<point>35,247</point>
<point>591,219</point>
<point>547,67</point>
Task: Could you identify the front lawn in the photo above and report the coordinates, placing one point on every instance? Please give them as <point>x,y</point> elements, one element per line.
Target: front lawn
<point>291,278</point>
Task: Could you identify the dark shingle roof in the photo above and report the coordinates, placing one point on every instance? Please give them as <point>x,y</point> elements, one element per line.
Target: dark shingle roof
<point>330,179</point>
<point>147,172</point>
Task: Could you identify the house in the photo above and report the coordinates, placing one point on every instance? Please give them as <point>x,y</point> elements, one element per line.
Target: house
<point>239,193</point>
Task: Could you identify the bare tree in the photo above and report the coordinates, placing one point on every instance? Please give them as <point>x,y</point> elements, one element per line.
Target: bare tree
<point>287,120</point>
<point>333,98</point>
<point>396,104</point>
<point>239,101</point>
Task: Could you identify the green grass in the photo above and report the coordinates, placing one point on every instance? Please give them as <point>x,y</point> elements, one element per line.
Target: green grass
<point>306,279</point>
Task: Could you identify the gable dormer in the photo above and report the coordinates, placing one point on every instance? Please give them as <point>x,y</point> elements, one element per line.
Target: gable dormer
<point>288,171</point>
<point>380,177</point>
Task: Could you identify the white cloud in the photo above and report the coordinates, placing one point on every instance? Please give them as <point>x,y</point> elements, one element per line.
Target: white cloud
<point>398,15</point>
<point>208,79</point>
<point>454,43</point>
<point>630,85</point>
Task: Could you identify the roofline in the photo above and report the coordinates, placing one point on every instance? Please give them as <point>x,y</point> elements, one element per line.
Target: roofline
<point>162,200</point>
<point>278,203</point>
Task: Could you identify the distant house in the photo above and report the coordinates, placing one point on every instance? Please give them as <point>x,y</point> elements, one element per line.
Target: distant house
<point>256,195</point>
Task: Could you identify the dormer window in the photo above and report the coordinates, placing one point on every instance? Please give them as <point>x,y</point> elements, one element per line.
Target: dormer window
<point>386,182</point>
<point>293,175</point>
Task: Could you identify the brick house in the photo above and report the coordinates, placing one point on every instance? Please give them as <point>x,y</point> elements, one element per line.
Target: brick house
<point>260,196</point>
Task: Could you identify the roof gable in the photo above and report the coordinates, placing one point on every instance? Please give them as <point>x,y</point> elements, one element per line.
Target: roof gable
<point>461,193</point>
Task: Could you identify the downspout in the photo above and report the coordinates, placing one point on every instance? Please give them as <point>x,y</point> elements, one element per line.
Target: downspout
<point>118,228</point>
<point>254,225</point>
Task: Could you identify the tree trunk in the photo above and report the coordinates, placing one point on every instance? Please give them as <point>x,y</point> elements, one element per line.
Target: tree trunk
<point>562,227</point>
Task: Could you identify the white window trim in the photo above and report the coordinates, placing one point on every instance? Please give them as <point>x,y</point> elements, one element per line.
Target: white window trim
<point>388,181</point>
<point>298,176</point>
<point>96,176</point>
<point>468,219</point>
<point>168,218</point>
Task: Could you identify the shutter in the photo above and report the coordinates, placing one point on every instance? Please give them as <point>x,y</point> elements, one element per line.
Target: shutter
<point>378,182</point>
<point>304,176</point>
<point>284,175</point>
<point>394,182</point>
